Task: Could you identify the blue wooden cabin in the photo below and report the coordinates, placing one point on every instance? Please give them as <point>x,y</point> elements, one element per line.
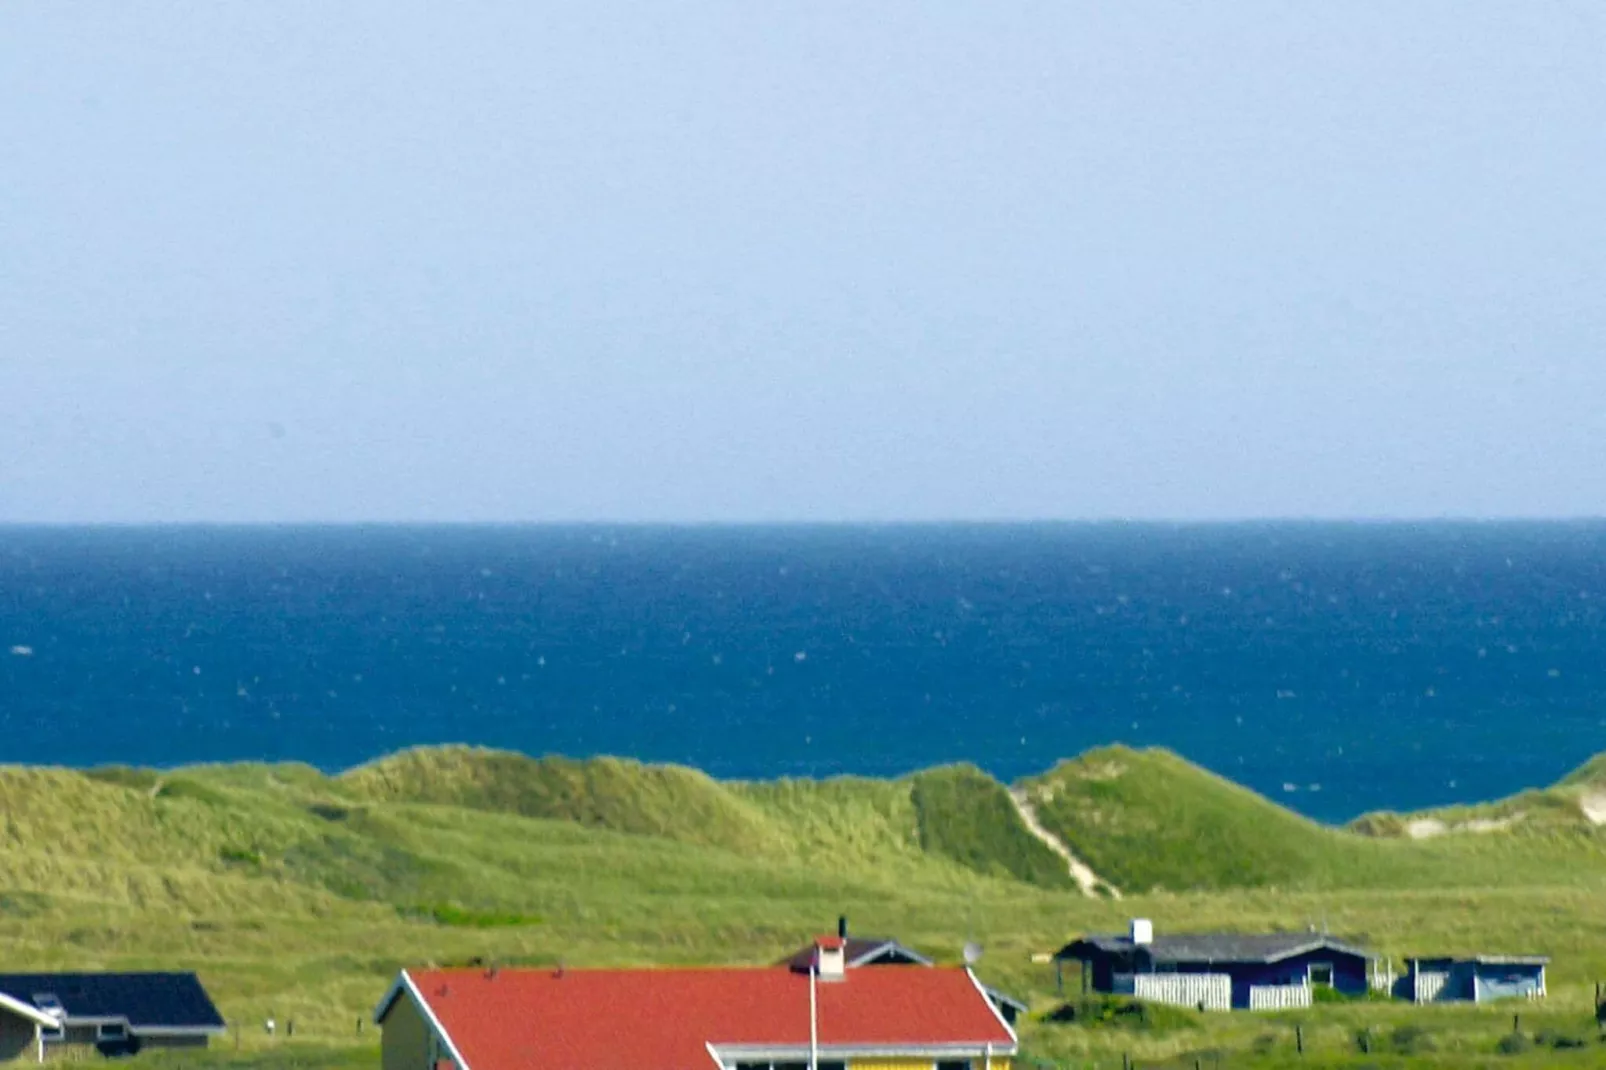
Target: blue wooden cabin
<point>1237,970</point>
<point>1480,979</point>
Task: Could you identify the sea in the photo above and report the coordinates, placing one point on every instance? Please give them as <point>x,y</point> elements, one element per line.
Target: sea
<point>1335,668</point>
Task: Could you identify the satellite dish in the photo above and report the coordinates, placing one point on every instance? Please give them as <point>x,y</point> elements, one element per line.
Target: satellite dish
<point>972,953</point>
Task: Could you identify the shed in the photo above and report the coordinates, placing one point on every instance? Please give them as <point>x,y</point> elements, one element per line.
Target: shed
<point>1478,979</point>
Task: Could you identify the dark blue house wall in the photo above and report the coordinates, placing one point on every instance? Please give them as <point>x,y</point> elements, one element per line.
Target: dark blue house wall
<point>1349,973</point>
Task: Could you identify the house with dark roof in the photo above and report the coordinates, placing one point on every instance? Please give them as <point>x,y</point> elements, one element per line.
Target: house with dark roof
<point>1218,971</point>
<point>885,951</point>
<point>1479,979</point>
<point>821,1017</point>
<point>22,1027</point>
<point>116,1013</point>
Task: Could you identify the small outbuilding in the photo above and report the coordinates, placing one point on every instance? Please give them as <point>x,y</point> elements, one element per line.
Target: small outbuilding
<point>1479,979</point>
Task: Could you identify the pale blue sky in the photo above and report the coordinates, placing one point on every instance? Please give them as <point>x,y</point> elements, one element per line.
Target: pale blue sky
<point>726,261</point>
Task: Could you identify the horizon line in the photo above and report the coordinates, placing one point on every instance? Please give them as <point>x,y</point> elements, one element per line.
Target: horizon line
<point>728,523</point>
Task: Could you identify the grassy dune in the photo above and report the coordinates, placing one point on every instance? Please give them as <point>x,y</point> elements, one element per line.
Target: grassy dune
<point>1150,820</point>
<point>300,894</point>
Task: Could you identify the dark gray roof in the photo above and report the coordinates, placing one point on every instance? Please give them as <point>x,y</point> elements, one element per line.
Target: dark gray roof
<point>1484,960</point>
<point>860,948</point>
<point>151,1001</point>
<point>881,950</point>
<point>1212,947</point>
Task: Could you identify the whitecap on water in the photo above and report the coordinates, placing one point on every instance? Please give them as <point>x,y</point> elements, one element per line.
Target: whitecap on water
<point>22,651</point>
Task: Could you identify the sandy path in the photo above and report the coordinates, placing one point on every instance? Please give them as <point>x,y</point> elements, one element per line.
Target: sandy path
<point>1080,871</point>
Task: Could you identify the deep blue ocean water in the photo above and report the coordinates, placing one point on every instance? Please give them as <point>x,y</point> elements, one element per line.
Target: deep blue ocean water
<point>1335,668</point>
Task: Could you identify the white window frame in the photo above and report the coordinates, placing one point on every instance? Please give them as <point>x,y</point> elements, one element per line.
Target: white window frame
<point>120,1034</point>
<point>1310,975</point>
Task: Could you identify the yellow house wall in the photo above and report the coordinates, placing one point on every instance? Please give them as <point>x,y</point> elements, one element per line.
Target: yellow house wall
<point>891,1064</point>
<point>999,1062</point>
<point>404,1037</point>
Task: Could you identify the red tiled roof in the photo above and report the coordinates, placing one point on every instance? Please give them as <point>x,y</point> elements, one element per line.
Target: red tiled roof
<point>665,1018</point>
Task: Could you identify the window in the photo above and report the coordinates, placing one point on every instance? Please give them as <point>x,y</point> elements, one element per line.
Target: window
<point>836,1065</point>
<point>112,1031</point>
<point>953,1064</point>
<point>47,1002</point>
<point>1321,973</point>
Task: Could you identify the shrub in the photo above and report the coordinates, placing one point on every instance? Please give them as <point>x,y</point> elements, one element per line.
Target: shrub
<point>240,856</point>
<point>1514,1044</point>
<point>1550,1038</point>
<point>1410,1040</point>
<point>1124,1012</point>
<point>457,917</point>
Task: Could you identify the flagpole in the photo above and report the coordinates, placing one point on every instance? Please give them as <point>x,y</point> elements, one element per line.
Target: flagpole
<point>814,1019</point>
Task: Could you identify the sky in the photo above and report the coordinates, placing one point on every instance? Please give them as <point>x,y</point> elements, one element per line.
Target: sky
<point>815,261</point>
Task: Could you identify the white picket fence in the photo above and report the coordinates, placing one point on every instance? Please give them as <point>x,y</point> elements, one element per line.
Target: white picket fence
<point>1278,997</point>
<point>1429,984</point>
<point>1212,991</point>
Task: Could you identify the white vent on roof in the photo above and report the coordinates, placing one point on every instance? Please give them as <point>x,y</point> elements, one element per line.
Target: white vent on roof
<point>1142,931</point>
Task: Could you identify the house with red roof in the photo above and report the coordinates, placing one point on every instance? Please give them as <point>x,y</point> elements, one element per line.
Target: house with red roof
<point>822,1017</point>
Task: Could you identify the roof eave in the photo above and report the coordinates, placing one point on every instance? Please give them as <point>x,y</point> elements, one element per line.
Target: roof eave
<point>29,1011</point>
<point>891,945</point>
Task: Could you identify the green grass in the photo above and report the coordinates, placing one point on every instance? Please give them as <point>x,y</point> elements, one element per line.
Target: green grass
<point>967,816</point>
<point>655,800</point>
<point>299,895</point>
<point>1148,820</point>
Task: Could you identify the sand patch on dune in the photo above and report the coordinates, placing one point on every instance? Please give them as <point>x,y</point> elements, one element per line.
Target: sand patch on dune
<point>1424,828</point>
<point>1593,806</point>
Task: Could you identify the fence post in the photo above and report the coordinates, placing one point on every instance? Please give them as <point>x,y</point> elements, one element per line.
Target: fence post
<point>1299,1039</point>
